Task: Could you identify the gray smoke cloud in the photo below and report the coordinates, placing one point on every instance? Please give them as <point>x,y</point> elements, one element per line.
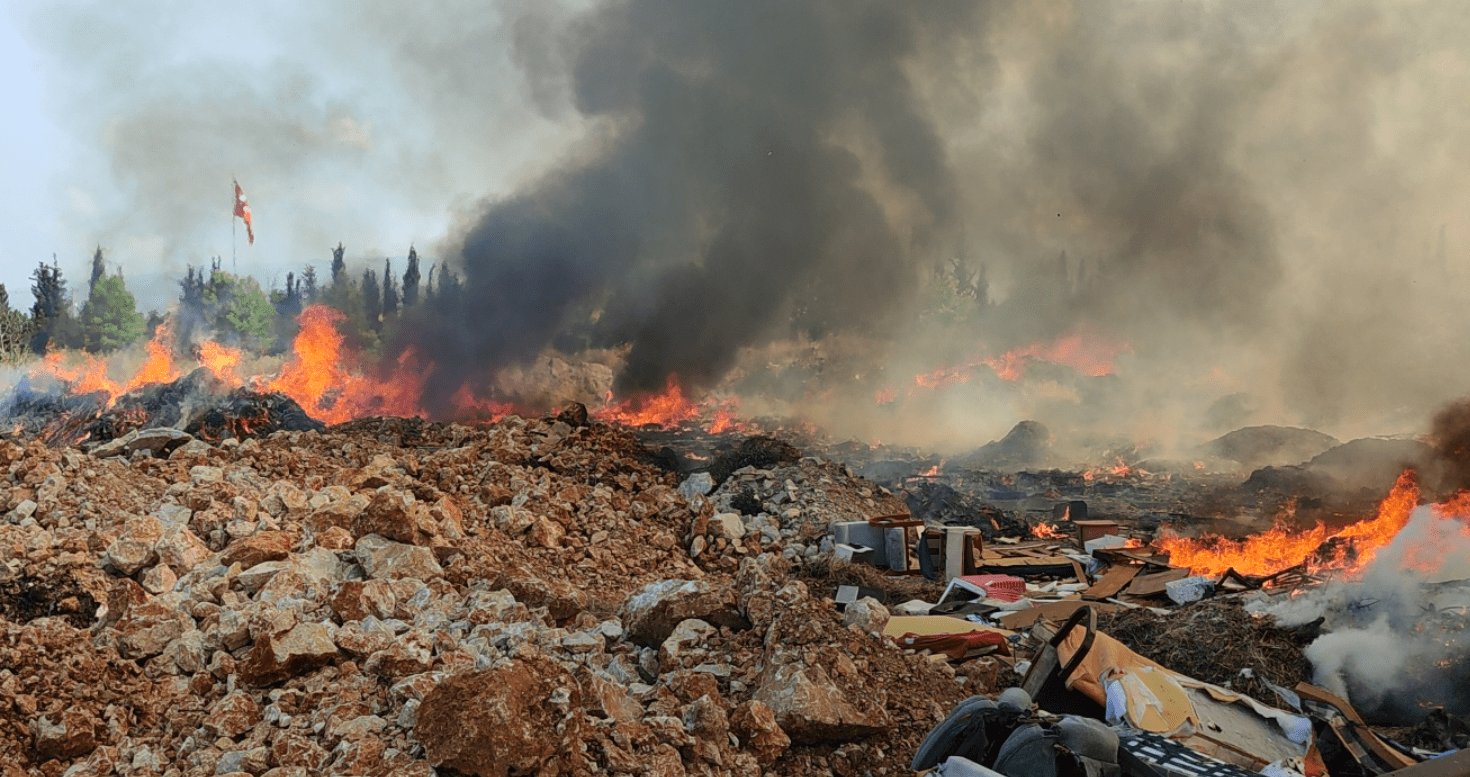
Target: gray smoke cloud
<point>743,183</point>
<point>1262,200</point>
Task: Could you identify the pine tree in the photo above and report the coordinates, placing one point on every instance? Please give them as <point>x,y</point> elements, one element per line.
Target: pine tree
<point>429,287</point>
<point>110,319</point>
<point>339,264</point>
<point>50,307</point>
<point>411,280</point>
<point>308,285</point>
<point>390,290</point>
<point>99,269</point>
<point>372,301</point>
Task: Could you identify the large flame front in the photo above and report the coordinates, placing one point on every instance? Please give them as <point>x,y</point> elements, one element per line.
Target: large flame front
<point>1348,551</point>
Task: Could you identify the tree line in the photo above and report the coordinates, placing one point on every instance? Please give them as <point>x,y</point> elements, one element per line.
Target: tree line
<point>215,304</point>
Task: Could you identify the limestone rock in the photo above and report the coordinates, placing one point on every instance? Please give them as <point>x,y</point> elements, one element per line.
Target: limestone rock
<point>867,614</point>
<point>148,628</point>
<point>810,707</point>
<point>134,548</point>
<point>383,558</point>
<point>650,615</point>
<point>275,657</point>
<point>522,717</point>
<point>755,725</point>
<point>233,715</point>
<point>727,526</point>
<point>688,635</point>
<point>258,548</point>
<point>72,734</point>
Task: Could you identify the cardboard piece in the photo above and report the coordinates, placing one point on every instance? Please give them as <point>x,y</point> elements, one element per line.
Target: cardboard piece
<point>929,625</point>
<point>1153,585</point>
<point>1112,582</point>
<point>1056,611</point>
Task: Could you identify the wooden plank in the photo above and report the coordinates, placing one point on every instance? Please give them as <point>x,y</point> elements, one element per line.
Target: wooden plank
<point>1057,611</point>
<point>1390,756</point>
<point>1452,765</point>
<point>1152,585</point>
<point>1112,582</point>
<point>1080,572</point>
<point>1121,556</point>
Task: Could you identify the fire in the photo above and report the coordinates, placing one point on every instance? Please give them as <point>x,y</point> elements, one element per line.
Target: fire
<point>221,361</point>
<point>318,377</point>
<point>91,376</point>
<point>1349,550</point>
<point>1088,354</point>
<point>671,408</point>
<point>323,376</point>
<point>1048,531</point>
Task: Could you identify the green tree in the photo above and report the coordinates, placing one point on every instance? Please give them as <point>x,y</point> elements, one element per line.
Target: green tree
<point>51,308</point>
<point>411,280</point>
<point>15,330</point>
<point>390,291</point>
<point>110,319</point>
<point>241,310</point>
<point>372,301</point>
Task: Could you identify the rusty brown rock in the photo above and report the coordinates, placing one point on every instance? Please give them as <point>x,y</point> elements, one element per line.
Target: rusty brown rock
<point>651,615</point>
<point>257,548</point>
<point>524,717</point>
<point>811,708</point>
<point>72,735</point>
<point>277,656</point>
<point>232,716</point>
<point>383,558</point>
<point>397,516</point>
<point>755,725</point>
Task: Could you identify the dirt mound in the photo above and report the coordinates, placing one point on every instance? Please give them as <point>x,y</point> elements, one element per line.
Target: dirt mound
<point>1262,446</point>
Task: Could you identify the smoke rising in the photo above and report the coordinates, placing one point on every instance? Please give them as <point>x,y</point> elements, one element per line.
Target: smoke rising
<point>1396,636</point>
<point>1262,200</point>
<point>749,160</point>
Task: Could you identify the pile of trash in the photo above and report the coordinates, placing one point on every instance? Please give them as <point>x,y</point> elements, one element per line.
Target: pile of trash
<point>552,596</point>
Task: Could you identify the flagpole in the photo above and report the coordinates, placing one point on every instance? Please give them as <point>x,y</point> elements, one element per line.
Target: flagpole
<point>234,268</point>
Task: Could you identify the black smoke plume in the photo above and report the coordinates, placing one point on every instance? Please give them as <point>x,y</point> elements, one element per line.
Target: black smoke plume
<point>762,165</point>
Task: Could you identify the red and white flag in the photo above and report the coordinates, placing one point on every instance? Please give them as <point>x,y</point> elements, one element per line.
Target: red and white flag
<point>242,210</point>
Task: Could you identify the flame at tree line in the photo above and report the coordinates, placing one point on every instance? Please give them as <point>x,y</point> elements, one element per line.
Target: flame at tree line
<point>1081,350</point>
<point>333,384</point>
<point>1348,551</point>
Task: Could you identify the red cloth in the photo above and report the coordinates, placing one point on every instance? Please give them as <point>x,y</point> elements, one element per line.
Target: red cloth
<point>956,646</point>
<point>242,210</point>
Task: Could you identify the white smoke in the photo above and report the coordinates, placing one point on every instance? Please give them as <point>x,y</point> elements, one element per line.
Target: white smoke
<point>1391,645</point>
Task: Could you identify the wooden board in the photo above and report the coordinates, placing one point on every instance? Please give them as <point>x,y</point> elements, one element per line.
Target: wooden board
<point>1152,585</point>
<point>1056,611</point>
<point>1112,582</point>
<point>1389,755</point>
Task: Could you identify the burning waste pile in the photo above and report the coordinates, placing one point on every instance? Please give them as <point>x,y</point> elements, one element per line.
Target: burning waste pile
<point>201,578</point>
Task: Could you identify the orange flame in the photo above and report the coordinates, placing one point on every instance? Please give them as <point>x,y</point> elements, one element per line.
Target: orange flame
<point>91,376</point>
<point>318,378</point>
<point>1282,547</point>
<point>666,408</point>
<point>1085,353</point>
<point>1048,531</point>
<point>221,361</point>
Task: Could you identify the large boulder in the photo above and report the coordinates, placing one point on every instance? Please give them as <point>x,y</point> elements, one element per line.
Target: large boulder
<point>811,707</point>
<point>522,717</point>
<point>277,656</point>
<point>383,558</point>
<point>652,614</point>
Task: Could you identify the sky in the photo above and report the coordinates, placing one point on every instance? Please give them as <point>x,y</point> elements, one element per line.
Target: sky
<point>126,123</point>
<point>1260,198</point>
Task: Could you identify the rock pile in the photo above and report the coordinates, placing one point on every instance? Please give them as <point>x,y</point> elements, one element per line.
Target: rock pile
<point>394,597</point>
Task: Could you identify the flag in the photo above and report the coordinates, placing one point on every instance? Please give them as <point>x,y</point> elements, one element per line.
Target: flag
<point>242,210</point>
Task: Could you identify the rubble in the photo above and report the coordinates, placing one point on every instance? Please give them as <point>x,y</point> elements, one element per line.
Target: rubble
<point>553,596</point>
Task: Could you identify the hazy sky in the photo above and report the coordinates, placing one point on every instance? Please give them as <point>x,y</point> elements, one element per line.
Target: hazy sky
<point>126,121</point>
